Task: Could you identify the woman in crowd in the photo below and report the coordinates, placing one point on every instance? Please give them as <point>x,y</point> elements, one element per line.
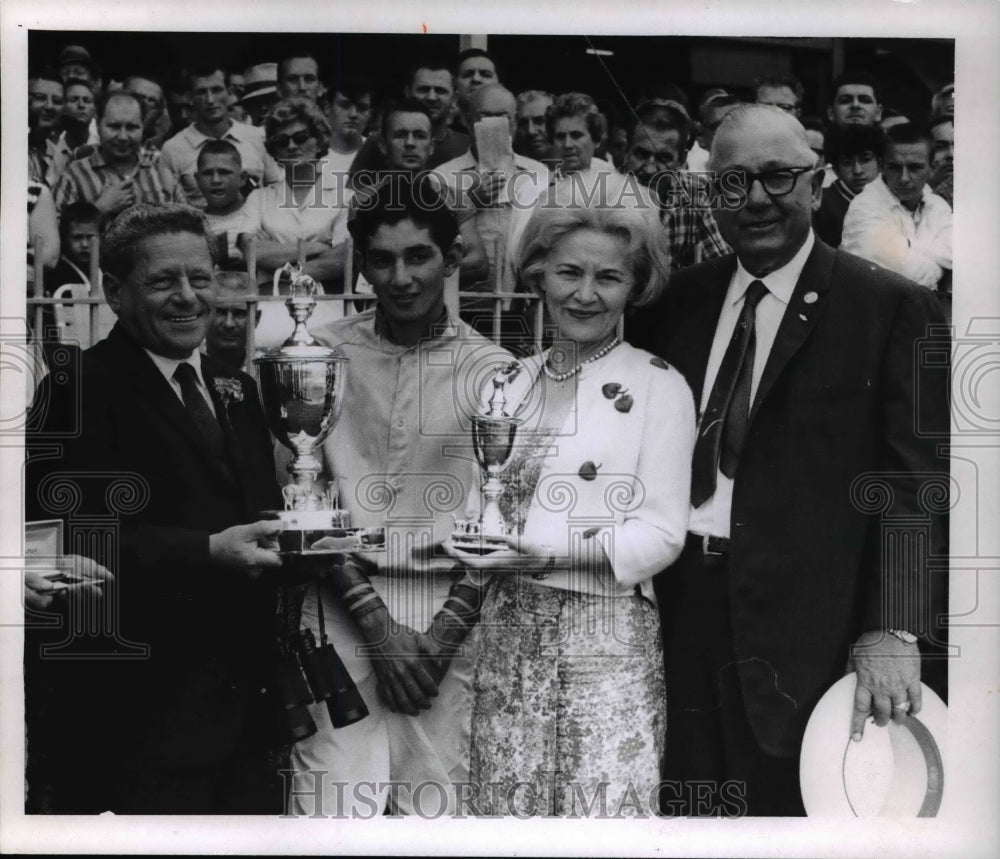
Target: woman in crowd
<point>569,678</point>
<point>577,127</point>
<point>298,210</point>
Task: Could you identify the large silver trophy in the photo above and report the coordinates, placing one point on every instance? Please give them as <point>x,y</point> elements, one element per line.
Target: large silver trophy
<point>301,386</point>
<point>493,435</point>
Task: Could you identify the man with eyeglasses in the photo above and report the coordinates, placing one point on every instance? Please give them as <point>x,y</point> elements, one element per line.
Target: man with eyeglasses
<point>210,99</point>
<point>802,360</point>
<point>156,125</point>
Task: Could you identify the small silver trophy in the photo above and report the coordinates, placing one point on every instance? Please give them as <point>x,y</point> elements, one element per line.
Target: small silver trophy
<point>301,386</point>
<point>493,435</point>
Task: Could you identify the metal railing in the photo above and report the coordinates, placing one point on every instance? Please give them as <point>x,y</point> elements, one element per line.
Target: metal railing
<point>455,298</point>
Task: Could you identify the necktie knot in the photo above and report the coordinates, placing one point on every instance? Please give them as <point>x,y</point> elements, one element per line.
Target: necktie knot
<point>185,373</point>
<point>755,292</point>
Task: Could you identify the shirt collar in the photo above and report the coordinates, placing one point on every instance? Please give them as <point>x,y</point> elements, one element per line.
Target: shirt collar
<point>780,282</point>
<point>196,138</point>
<point>445,329</point>
<point>168,366</point>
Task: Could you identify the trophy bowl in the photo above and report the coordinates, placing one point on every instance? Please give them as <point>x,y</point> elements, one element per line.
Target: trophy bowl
<point>493,436</point>
<point>301,387</point>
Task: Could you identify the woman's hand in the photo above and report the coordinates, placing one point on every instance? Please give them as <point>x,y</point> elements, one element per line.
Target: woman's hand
<point>520,555</point>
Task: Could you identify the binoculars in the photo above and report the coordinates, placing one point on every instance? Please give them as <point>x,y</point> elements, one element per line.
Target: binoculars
<point>309,672</point>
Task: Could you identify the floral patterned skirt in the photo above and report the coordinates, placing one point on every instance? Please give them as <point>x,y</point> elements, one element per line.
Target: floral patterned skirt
<point>569,716</point>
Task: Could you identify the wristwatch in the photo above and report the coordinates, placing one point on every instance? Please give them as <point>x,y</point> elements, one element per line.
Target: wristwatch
<point>903,635</point>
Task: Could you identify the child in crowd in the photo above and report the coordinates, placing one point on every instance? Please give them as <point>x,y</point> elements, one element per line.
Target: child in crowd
<point>220,179</point>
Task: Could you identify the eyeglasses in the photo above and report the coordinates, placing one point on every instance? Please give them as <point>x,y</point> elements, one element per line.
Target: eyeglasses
<point>776,183</point>
<point>300,138</point>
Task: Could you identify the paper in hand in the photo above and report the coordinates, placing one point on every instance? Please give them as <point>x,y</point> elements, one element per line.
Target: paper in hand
<point>493,144</point>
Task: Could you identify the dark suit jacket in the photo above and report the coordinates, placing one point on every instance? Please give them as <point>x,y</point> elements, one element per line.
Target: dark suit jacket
<point>843,396</point>
<point>209,629</point>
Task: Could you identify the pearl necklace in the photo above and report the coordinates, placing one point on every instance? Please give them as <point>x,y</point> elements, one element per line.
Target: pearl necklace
<point>562,377</point>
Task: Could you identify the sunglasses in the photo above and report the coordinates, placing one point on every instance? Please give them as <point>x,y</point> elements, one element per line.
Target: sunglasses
<point>281,141</point>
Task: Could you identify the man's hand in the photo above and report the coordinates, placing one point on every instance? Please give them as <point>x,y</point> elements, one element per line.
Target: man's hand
<point>888,680</point>
<point>486,193</point>
<point>116,196</point>
<point>403,662</point>
<point>81,577</point>
<point>250,548</point>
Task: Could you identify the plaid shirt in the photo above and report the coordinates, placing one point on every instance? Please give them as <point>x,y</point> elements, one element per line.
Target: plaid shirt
<point>84,179</point>
<point>692,234</point>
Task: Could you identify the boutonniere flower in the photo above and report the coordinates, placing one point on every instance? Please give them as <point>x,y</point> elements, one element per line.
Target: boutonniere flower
<point>229,390</point>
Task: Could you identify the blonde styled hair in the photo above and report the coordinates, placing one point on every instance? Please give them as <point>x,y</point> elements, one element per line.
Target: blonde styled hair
<point>637,224</point>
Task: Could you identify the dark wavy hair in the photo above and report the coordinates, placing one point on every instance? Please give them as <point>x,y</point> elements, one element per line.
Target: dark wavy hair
<point>124,233</point>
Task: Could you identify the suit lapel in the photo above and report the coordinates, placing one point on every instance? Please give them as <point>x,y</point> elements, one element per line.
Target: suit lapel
<point>149,386</point>
<point>803,312</point>
<point>692,344</point>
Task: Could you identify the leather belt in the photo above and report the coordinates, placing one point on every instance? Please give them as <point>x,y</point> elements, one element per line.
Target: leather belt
<point>707,544</point>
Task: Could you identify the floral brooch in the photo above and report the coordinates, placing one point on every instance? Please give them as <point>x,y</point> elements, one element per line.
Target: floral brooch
<point>614,391</point>
<point>230,390</point>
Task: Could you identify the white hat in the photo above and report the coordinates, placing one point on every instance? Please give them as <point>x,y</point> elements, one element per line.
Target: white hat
<point>897,771</point>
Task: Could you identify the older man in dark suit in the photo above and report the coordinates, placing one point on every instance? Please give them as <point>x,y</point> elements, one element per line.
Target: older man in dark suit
<point>171,447</point>
<point>802,360</point>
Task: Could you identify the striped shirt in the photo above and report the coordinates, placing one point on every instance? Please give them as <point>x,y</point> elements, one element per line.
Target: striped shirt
<point>692,233</point>
<point>85,178</point>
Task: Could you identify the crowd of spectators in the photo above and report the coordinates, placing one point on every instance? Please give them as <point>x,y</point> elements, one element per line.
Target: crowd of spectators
<point>279,149</point>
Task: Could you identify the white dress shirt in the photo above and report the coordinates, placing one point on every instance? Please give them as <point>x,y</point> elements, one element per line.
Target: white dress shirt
<point>713,516</point>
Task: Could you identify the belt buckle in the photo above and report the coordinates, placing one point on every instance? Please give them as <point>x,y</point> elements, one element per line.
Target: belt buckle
<point>706,543</point>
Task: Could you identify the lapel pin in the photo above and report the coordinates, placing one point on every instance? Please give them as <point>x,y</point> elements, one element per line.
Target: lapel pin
<point>802,316</point>
<point>810,298</point>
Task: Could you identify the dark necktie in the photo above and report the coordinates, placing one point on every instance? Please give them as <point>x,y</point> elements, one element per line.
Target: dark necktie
<point>199,410</point>
<point>724,424</point>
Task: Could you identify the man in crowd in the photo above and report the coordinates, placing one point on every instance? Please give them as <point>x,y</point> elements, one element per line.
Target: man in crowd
<point>350,110</point>
<point>408,146</point>
<point>430,82</point>
<point>298,75</point>
<point>226,340</point>
<point>493,190</point>
<point>532,137</point>
<point>855,100</point>
<point>116,175</point>
<point>657,143</point>
<point>414,374</point>
<point>783,578</point>
<point>942,179</point>
<point>185,729</point>
<point>714,105</point>
<point>180,106</point>
<point>45,107</point>
<point>897,221</point>
<point>784,91</point>
<point>78,119</point>
<point>856,155</point>
<point>75,62</point>
<point>156,125</point>
<point>179,158</point>
<point>476,68</point>
<point>260,91</point>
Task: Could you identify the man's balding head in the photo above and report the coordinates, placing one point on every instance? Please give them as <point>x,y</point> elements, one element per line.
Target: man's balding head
<point>768,185</point>
<point>493,100</point>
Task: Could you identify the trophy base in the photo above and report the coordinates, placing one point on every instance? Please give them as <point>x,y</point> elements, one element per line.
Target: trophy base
<point>478,544</point>
<point>302,529</point>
